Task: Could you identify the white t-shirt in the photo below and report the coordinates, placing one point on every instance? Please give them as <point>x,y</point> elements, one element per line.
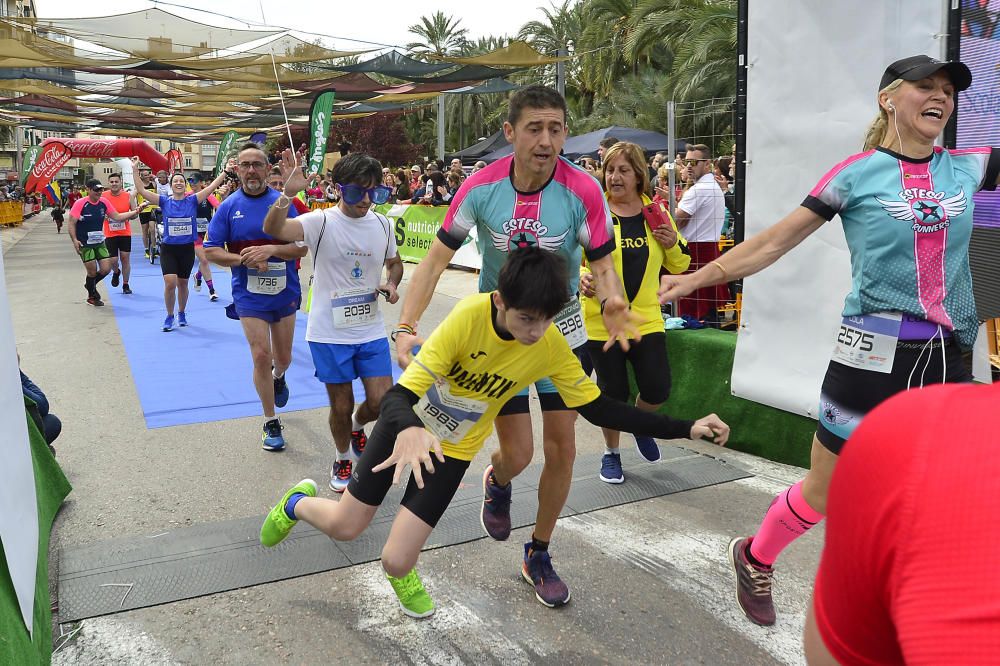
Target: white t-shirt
<point>706,205</point>
<point>163,189</point>
<point>348,265</point>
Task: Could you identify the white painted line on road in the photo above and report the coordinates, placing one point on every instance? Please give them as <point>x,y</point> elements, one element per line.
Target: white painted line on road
<point>695,563</point>
<point>452,631</point>
<point>106,641</point>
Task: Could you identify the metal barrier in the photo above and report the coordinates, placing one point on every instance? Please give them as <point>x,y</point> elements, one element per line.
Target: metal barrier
<point>11,213</point>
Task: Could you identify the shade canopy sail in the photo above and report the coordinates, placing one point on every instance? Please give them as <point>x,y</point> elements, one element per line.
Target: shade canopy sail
<point>141,70</point>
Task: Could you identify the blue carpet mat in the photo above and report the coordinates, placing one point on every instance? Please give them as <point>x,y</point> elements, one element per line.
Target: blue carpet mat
<point>202,372</point>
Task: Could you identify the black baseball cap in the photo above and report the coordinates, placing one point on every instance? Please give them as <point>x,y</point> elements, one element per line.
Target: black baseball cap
<point>94,184</point>
<point>919,67</point>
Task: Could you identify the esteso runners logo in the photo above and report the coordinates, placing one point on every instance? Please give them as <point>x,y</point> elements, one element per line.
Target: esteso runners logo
<point>927,210</point>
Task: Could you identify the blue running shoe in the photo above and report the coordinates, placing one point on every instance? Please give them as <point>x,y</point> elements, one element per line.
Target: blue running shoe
<point>358,441</point>
<point>340,474</point>
<point>495,515</point>
<point>538,572</point>
<point>168,323</point>
<point>182,319</point>
<point>271,437</point>
<point>611,468</point>
<point>280,391</point>
<point>648,448</point>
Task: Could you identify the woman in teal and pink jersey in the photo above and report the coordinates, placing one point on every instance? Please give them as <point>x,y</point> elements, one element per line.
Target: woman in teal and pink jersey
<point>906,206</point>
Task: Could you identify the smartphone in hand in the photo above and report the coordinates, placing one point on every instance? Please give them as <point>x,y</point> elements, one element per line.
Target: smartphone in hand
<point>656,215</point>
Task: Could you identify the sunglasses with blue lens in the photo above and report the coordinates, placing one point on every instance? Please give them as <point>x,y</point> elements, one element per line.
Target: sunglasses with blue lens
<point>354,194</point>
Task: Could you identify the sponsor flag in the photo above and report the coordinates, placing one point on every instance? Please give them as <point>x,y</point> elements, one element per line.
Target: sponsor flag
<point>51,158</point>
<point>319,130</point>
<point>30,155</point>
<point>226,146</point>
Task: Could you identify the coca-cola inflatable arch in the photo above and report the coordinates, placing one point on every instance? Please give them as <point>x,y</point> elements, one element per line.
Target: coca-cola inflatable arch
<point>56,152</point>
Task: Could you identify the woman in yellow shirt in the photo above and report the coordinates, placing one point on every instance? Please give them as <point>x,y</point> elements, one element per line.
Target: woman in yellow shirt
<point>642,249</point>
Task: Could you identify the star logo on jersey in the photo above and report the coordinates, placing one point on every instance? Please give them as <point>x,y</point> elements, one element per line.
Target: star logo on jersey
<point>833,415</point>
<point>927,210</point>
<point>521,232</point>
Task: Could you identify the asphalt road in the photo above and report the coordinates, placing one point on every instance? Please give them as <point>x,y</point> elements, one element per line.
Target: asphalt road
<point>650,580</point>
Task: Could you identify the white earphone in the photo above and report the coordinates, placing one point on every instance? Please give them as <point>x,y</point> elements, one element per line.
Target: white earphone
<point>892,107</point>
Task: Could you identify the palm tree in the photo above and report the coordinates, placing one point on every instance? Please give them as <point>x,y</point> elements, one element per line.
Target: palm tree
<point>607,27</point>
<point>561,29</point>
<point>702,36</point>
<point>439,35</point>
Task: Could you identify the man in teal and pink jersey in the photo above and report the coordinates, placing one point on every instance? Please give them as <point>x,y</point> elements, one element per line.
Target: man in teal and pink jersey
<point>532,198</point>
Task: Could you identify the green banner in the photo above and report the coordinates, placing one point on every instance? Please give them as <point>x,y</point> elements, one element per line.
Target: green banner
<point>226,146</point>
<point>30,155</point>
<point>415,227</point>
<point>319,130</point>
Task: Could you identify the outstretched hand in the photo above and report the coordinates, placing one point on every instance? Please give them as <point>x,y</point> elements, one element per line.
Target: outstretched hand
<point>293,173</point>
<point>621,322</point>
<point>673,287</point>
<point>404,348</point>
<point>413,447</point>
<point>711,428</point>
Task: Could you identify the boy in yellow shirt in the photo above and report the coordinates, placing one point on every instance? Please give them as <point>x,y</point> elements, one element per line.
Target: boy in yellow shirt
<point>488,348</point>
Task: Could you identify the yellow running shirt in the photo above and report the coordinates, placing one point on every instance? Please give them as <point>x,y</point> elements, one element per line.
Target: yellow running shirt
<point>465,372</point>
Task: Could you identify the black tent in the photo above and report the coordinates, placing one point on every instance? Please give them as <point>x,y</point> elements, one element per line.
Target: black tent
<point>476,151</point>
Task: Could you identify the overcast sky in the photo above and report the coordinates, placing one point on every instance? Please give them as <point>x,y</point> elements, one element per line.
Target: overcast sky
<point>382,21</point>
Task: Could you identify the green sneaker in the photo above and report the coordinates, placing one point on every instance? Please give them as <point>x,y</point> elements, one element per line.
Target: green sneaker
<point>277,525</point>
<point>413,598</point>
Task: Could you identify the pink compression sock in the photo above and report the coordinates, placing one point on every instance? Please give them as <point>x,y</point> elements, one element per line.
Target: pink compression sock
<point>788,518</point>
<point>210,285</point>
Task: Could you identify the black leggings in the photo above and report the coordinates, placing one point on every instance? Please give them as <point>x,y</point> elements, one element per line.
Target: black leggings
<point>649,363</point>
<point>177,259</point>
<point>427,504</point>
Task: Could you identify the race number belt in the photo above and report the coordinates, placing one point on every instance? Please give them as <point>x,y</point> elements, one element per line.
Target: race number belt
<point>868,342</point>
<point>179,226</point>
<point>448,417</point>
<point>269,282</point>
<point>569,321</point>
<point>354,307</point>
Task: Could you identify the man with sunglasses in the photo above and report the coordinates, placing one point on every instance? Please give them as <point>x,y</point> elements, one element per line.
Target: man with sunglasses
<point>699,216</point>
<point>266,291</point>
<point>350,245</point>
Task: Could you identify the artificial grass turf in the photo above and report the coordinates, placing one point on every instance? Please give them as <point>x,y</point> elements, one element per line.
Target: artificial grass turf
<point>701,363</point>
<point>17,646</point>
